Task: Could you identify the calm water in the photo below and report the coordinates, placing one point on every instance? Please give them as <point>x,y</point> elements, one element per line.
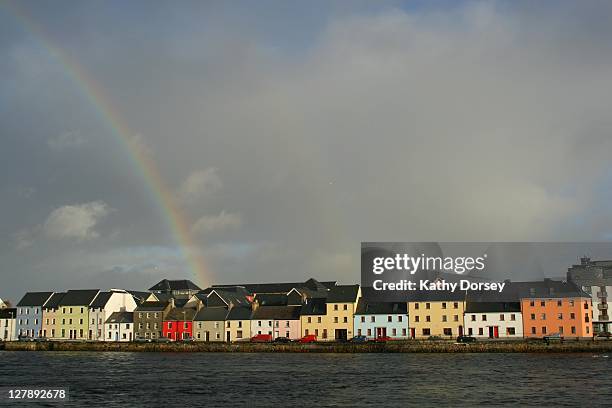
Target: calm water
<point>215,380</point>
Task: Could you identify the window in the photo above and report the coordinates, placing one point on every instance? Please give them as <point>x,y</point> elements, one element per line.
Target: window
<point>448,331</point>
<point>317,332</point>
<point>560,329</point>
<point>427,305</point>
<point>473,318</point>
<point>394,332</point>
<point>533,330</point>
<point>269,323</point>
<point>543,329</point>
<point>305,332</point>
<point>455,305</point>
<point>426,332</point>
<point>510,331</point>
<point>543,303</point>
<point>369,332</point>
<point>560,316</point>
<point>218,335</point>
<point>324,333</point>
<point>240,324</point>
<point>513,317</point>
<point>470,331</point>
<point>70,310</point>
<point>480,331</point>
<point>345,320</point>
<point>428,318</point>
<point>444,318</point>
<point>373,319</point>
<point>319,319</point>
<point>335,307</point>
<point>443,305</point>
<point>573,329</point>
<point>586,305</point>
<point>484,317</point>
<point>559,303</point>
<point>309,319</point>
<point>239,334</point>
<point>169,325</point>
<point>186,325</point>
<point>336,319</point>
<point>259,323</point>
<point>359,332</point>
<point>531,303</point>
<point>345,307</point>
<point>400,318</point>
<point>140,315</point>
<point>416,318</point>
<point>390,319</point>
<point>455,318</point>
<point>571,302</point>
<point>416,306</point>
<point>404,332</point>
<point>81,312</point>
<point>502,317</point>
<point>216,325</point>
<point>228,324</point>
<point>543,316</point>
<point>572,316</point>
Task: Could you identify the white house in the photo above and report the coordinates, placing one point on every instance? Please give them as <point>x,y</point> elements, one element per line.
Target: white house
<point>493,320</point>
<point>8,329</point>
<point>119,327</point>
<point>381,319</point>
<point>105,304</point>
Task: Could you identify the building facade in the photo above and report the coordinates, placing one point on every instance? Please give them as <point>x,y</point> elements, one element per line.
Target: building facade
<point>73,314</point>
<point>441,317</point>
<point>149,318</point>
<point>278,321</point>
<point>238,324</point>
<point>178,324</point>
<point>8,326</point>
<point>209,324</point>
<point>51,325</point>
<point>29,314</point>
<point>119,327</point>
<point>381,319</point>
<point>105,304</point>
<point>494,320</point>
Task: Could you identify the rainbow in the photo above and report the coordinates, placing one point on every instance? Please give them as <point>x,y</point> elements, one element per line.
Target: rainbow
<point>141,160</point>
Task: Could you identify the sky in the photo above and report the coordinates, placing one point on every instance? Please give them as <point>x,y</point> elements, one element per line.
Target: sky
<point>288,133</point>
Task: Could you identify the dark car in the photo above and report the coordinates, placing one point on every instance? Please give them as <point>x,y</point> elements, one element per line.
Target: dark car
<point>142,340</point>
<point>163,340</point>
<point>359,339</point>
<point>282,340</point>
<point>607,335</point>
<point>466,339</point>
<point>555,337</point>
<point>434,338</point>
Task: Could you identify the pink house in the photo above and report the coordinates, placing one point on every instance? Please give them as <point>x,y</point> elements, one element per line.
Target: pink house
<point>279,321</point>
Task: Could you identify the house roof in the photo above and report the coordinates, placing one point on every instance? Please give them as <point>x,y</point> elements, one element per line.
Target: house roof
<point>169,285</point>
<point>138,295</point>
<point>311,285</point>
<point>101,300</point>
<point>55,300</point>
<point>34,299</point>
<point>239,313</point>
<point>271,299</point>
<point>181,313</point>
<point>8,313</point>
<point>316,306</point>
<point>343,294</point>
<point>369,308</point>
<point>548,288</point>
<point>121,317</point>
<point>79,297</point>
<point>236,296</point>
<point>492,307</point>
<point>277,312</point>
<point>151,306</point>
<point>209,314</point>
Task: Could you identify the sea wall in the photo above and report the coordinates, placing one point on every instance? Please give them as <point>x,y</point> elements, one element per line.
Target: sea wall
<point>389,347</point>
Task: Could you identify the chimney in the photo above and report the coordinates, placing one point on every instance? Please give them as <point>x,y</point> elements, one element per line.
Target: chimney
<point>255,305</point>
<point>171,303</point>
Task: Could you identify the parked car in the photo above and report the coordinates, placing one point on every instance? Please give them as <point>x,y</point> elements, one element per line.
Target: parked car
<point>163,340</point>
<point>187,340</point>
<point>466,339</point>
<point>359,339</point>
<point>310,338</point>
<point>261,338</point>
<point>607,335</point>
<point>142,340</point>
<point>41,339</point>
<point>553,338</point>
<point>282,340</point>
<point>382,339</point>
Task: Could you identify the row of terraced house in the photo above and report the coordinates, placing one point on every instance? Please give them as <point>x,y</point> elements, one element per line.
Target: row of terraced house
<point>180,310</point>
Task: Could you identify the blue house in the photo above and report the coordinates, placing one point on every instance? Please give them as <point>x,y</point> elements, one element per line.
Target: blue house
<point>381,319</point>
<point>29,314</point>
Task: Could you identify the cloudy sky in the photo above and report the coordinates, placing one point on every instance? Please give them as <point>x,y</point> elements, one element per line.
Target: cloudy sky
<point>288,133</point>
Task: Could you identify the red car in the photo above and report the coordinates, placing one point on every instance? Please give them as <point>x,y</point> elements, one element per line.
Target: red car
<point>261,338</point>
<point>383,339</point>
<point>311,338</point>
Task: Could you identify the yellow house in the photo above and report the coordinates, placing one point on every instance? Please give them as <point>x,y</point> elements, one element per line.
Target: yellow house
<point>50,313</point>
<point>331,318</point>
<point>438,316</point>
<point>73,314</point>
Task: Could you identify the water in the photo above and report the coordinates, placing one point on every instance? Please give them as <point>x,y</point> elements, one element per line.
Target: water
<point>277,379</point>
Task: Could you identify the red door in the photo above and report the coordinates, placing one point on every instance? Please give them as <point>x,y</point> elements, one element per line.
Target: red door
<point>496,332</point>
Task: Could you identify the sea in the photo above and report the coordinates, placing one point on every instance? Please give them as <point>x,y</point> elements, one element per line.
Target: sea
<point>116,379</point>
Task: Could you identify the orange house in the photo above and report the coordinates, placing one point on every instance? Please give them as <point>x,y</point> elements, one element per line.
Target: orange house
<point>552,307</point>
